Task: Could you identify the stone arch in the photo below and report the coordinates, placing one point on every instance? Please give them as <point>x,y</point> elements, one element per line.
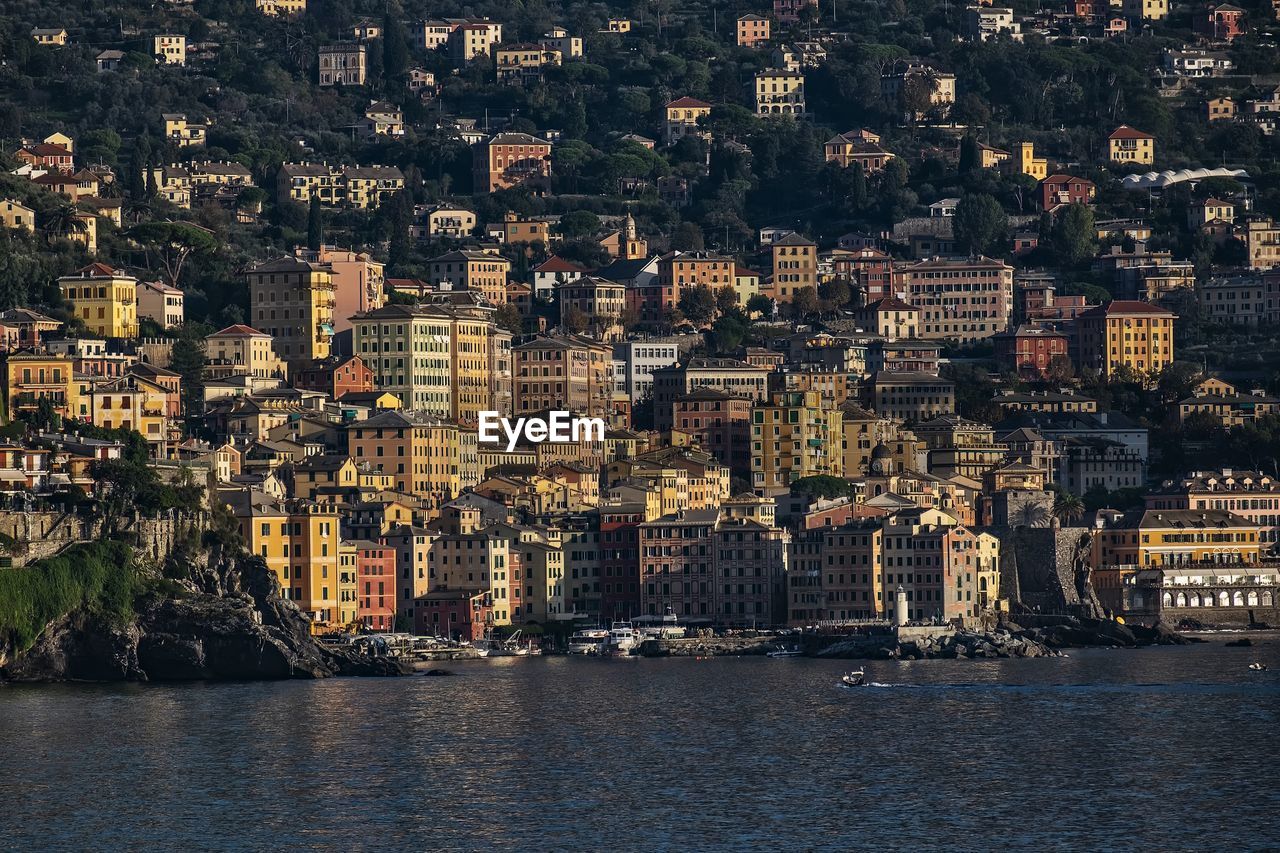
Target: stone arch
<point>1267,599</point>
<point>1224,599</point>
<point>1251,598</point>
<point>1166,600</point>
<point>1194,600</point>
<point>1181,600</point>
<point>1237,599</point>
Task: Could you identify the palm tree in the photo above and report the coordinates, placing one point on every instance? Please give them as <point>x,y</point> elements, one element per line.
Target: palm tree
<point>1068,507</point>
<point>64,221</point>
<point>1032,515</point>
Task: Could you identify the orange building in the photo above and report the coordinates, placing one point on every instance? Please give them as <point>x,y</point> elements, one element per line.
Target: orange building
<point>511,159</point>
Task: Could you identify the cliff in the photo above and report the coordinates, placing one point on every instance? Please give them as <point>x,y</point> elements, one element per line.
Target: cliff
<point>202,611</point>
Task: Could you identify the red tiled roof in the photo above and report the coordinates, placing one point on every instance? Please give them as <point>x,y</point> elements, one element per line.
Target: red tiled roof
<point>240,330</point>
<point>555,263</point>
<point>1126,132</point>
<point>687,102</point>
<point>1120,307</point>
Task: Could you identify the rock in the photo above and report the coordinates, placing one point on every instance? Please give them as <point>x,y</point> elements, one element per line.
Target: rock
<point>1242,643</point>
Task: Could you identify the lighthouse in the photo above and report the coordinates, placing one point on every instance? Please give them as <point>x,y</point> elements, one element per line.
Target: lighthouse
<point>900,606</point>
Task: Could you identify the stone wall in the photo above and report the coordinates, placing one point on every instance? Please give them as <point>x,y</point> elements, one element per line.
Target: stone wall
<point>1046,569</point>
<point>45,534</point>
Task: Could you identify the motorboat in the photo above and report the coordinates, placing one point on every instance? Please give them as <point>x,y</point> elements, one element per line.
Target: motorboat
<point>588,641</point>
<point>793,652</point>
<point>666,628</point>
<point>623,638</point>
<point>1258,667</point>
<point>494,648</point>
<point>857,678</point>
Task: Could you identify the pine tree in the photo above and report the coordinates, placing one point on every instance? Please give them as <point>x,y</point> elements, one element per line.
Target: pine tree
<point>138,161</point>
<point>858,191</point>
<point>315,225</point>
<point>395,47</point>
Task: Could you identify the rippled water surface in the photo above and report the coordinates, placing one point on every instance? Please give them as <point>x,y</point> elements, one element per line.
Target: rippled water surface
<point>1170,748</point>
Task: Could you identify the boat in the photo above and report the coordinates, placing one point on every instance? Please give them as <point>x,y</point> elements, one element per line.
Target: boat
<point>793,652</point>
<point>857,678</point>
<point>588,641</point>
<point>494,648</point>
<point>623,638</point>
<point>1258,667</point>
<point>666,628</point>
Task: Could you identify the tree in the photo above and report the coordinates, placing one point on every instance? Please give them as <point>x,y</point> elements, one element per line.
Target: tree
<point>687,237</point>
<point>64,220</point>
<point>187,360</point>
<point>576,320</point>
<point>1074,234</point>
<point>395,46</point>
<point>315,224</point>
<point>726,300</point>
<point>857,188</point>
<point>822,486</point>
<point>804,302</point>
<point>698,304</point>
<point>578,223</point>
<point>836,293</point>
<point>508,317</point>
<point>760,304</point>
<point>970,155</point>
<point>172,243</point>
<point>139,158</point>
<point>981,225</point>
<point>1060,369</point>
<point>1068,508</point>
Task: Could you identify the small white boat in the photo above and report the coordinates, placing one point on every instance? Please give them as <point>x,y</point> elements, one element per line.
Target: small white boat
<point>623,638</point>
<point>1258,667</point>
<point>787,653</point>
<point>857,678</point>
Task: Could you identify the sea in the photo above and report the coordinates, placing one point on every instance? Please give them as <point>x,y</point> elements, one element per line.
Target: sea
<point>1170,748</point>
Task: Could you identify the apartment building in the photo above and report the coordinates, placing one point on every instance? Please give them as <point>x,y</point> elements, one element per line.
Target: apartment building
<point>293,301</point>
<point>960,299</point>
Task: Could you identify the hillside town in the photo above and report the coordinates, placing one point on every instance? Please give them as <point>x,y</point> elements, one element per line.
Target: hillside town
<point>979,306</point>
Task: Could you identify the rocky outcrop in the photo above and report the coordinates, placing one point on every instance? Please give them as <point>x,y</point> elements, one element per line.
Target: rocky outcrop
<point>995,644</point>
<point>220,617</point>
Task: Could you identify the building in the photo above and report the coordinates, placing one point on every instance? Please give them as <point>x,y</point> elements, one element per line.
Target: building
<point>719,423</point>
<point>722,374</point>
<point>913,83</point>
<point>682,116</point>
<point>910,397</point>
<point>361,187</point>
<point>1125,335</point>
<point>17,216</point>
<point>983,23</point>
<point>382,118</point>
<point>1229,405</point>
<point>562,372</point>
<point>375,585</point>
<point>889,317</point>
<point>1239,300</point>
<point>281,8</point>
<point>558,38</point>
<point>1029,351</point>
<point>427,457</point>
<point>50,36</point>
<point>634,363</point>
<point>104,298</point>
<point>293,301</point>
<point>795,266</point>
<point>753,30</point>
<point>511,159</point>
<point>960,299</point>
<point>854,147</point>
<point>1057,190</point>
<point>459,363</point>
<point>169,49</point>
<point>1262,242</point>
<point>442,220</point>
<point>359,283</point>
<point>466,269</point>
<point>160,303</point>
<point>1222,22</point>
<point>1145,10</point>
<point>1025,162</point>
<point>524,63</point>
<point>596,302</point>
<point>34,376</point>
<point>241,351</point>
<point>342,64</point>
<point>794,435</point>
<point>779,92</point>
<point>1219,109</point>
<point>1251,495</point>
<point>183,133</point>
<point>473,41</point>
<point>1126,145</point>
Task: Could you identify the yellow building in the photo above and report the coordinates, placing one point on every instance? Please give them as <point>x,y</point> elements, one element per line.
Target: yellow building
<point>1026,162</point>
<point>428,458</point>
<point>795,265</point>
<point>348,588</point>
<point>106,300</point>
<point>183,133</point>
<point>1145,10</point>
<point>1126,145</point>
<point>169,49</point>
<point>130,402</point>
<point>16,215</point>
<point>30,377</point>
<point>1134,335</point>
<point>49,36</point>
<point>457,352</point>
<point>795,434</point>
<point>280,8</point>
<point>299,541</point>
<point>293,301</point>
<point>1262,242</point>
<point>682,116</point>
<point>361,187</point>
<point>779,92</point>
<point>241,351</point>
<point>524,63</point>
